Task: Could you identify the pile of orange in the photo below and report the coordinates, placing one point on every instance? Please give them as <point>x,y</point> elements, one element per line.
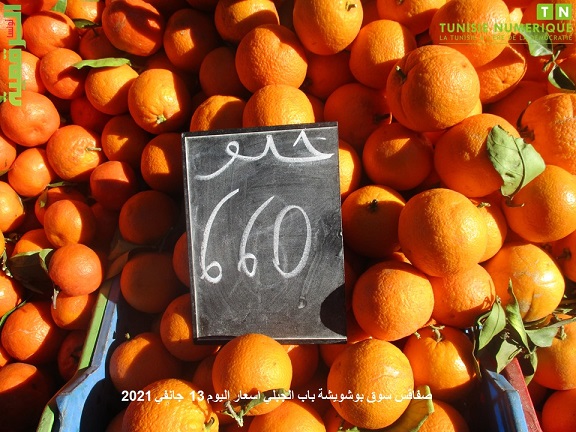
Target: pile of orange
<point>91,186</point>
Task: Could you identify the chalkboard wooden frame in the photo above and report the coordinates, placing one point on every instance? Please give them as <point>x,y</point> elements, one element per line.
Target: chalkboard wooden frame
<point>265,233</point>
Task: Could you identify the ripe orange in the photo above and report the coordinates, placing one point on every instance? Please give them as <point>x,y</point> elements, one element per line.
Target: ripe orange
<point>370,216</point>
<point>159,101</point>
<point>544,210</point>
<point>94,44</point>
<point>349,168</point>
<point>440,75</point>
<point>536,280</point>
<point>112,183</point>
<point>461,298</point>
<point>249,364</point>
<point>326,27</point>
<point>107,88</point>
<point>30,73</point>
<point>325,73</point>
<point>189,36</point>
<point>445,418</point>
<point>30,335</point>
<point>442,359</point>
<point>32,240</point>
<point>75,269</point>
<point>277,104</point>
<point>73,312</point>
<point>416,15</point>
<point>441,232</point>
<point>147,217</point>
<point>33,122</point>
<point>354,334</point>
<point>80,9</point>
<point>141,360</point>
<point>11,293</point>
<point>483,49</point>
<point>59,75</point>
<point>8,153</point>
<point>461,158</point>
<point>123,140</point>
<point>148,282</point>
<point>556,364</point>
<point>134,26</point>
<point>235,18</point>
<point>376,49</point>
<point>397,157</point>
<point>514,104</point>
<point>218,112</point>
<point>83,113</point>
<point>176,331</point>
<point>4,357</point>
<point>363,368</point>
<point>53,194</point>
<point>218,74</point>
<point>69,353</point>
<point>47,30</point>
<point>291,415</point>
<point>11,208</point>
<point>558,413</point>
<point>161,163</point>
<point>496,225</point>
<point>31,172</point>
<point>31,7</point>
<point>69,221</point>
<point>385,296</point>
<point>24,392</point>
<point>548,124</point>
<point>500,76</point>
<point>175,415</point>
<point>304,358</point>
<point>564,253</point>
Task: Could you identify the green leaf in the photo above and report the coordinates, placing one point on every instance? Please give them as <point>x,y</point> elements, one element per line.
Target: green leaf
<point>528,363</point>
<point>515,320</point>
<point>539,43</point>
<point>517,162</point>
<point>508,349</point>
<point>60,6</point>
<point>243,406</point>
<point>31,270</point>
<point>103,62</point>
<point>558,78</point>
<point>490,324</point>
<point>84,23</point>
<point>542,337</point>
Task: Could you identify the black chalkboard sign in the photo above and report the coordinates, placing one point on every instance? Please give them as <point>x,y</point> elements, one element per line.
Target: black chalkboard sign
<point>265,236</point>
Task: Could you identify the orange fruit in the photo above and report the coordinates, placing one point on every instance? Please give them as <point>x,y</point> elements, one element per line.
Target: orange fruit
<point>161,163</point>
<point>325,73</point>
<point>176,331</point>
<point>441,232</point>
<point>24,392</point>
<point>291,415</point>
<point>376,49</point>
<point>397,157</point>
<point>28,7</point>
<point>4,357</point>
<point>563,251</point>
<point>235,18</point>
<point>83,113</point>
<point>218,74</point>
<point>304,358</point>
<point>94,44</point>
<point>370,217</point>
<point>32,240</point>
<point>8,153</point>
<point>53,194</point>
<point>496,225</point>
<point>31,172</point>
<point>556,366</point>
<point>123,140</point>
<point>159,101</point>
<point>73,312</point>
<point>189,413</point>
<point>218,112</point>
<point>11,293</point>
<point>75,269</point>
<point>548,124</point>
<point>134,26</point>
<point>80,9</point>
<point>544,210</point>
<point>107,88</point>
<point>270,54</point>
<point>354,334</point>
<point>363,368</point>
<point>439,75</point>
<point>180,260</point>
<point>112,183</point>
<point>277,104</point>
<point>47,30</point>
<point>385,296</point>
<point>141,360</point>
<point>11,208</point>
<point>30,73</point>
<point>326,27</point>
<point>441,358</point>
<point>558,414</point>
<point>189,36</point>
<point>33,122</point>
<point>461,157</point>
<point>485,47</point>
<point>445,418</point>
<point>500,76</point>
<point>148,282</point>
<point>69,221</point>
<point>252,363</point>
<point>461,298</point>
<point>147,217</point>
<point>349,168</point>
<point>30,335</point>
<point>74,152</point>
<point>536,280</point>
<point>59,75</point>
<point>358,109</point>
<point>416,15</point>
<point>69,354</point>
